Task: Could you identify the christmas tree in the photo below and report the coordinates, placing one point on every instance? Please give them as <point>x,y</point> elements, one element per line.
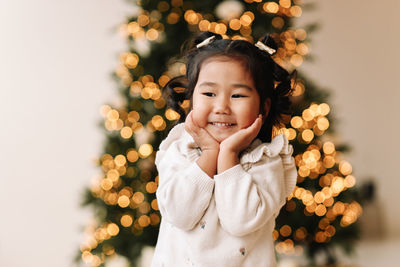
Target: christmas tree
<point>322,211</point>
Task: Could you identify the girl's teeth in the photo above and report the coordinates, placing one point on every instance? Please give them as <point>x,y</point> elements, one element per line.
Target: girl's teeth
<point>221,124</point>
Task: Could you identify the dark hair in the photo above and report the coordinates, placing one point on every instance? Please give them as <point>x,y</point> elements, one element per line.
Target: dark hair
<point>271,80</point>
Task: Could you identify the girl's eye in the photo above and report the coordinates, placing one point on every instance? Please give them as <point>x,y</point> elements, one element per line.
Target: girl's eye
<point>209,94</point>
<point>238,96</point>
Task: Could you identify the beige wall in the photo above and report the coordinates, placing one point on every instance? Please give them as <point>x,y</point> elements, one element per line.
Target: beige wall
<point>357,58</point>
<point>55,62</point>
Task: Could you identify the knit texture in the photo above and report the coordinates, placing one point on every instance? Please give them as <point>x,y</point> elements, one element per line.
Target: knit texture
<point>227,220</point>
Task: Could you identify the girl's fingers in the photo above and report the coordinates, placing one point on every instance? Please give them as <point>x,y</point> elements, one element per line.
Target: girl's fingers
<point>255,127</point>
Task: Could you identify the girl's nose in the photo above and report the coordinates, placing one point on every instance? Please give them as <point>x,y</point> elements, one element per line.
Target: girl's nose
<point>222,105</point>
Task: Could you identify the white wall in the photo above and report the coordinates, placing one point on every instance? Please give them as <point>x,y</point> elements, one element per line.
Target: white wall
<point>55,62</point>
<point>357,57</point>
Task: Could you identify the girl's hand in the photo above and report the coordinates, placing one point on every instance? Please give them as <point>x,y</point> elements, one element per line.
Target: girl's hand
<point>202,138</point>
<point>240,140</point>
<point>234,144</point>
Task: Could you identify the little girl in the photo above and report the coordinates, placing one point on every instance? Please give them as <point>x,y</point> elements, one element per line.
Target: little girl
<point>222,177</point>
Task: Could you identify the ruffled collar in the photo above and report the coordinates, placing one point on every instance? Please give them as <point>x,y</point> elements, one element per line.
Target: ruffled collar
<point>258,149</point>
<point>252,154</point>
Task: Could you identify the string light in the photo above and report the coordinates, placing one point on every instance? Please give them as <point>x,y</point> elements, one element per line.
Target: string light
<point>271,7</point>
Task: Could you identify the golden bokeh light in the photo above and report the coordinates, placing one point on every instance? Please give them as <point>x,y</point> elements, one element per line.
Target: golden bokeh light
<point>145,150</point>
<point>291,134</point>
<point>173,18</point>
<point>329,162</point>
<point>138,197</point>
<point>328,147</point>
<point>296,122</point>
<point>296,60</point>
<point>323,223</point>
<point>285,3</point>
<point>329,202</point>
<point>308,114</point>
<point>106,184</point>
<point>295,11</point>
<point>303,171</point>
<point>104,109</point>
<point>300,233</point>
<point>330,230</point>
<point>302,49</point>
<point>163,80</point>
<point>307,135</point>
<point>112,229</point>
<point>319,197</point>
<point>144,207</point>
<point>204,25</point>
<point>320,237</point>
<point>337,185</point>
<point>323,123</point>
<point>300,34</point>
<point>151,187</point>
<point>132,155</point>
<point>133,28</point>
<point>154,219</point>
<point>136,88</point>
<point>143,20</point>
<point>144,220</point>
<point>323,109</point>
<point>345,167</point>
<point>171,114</point>
<point>285,230</point>
<point>327,191</point>
<point>120,160</point>
<point>220,28</point>
<point>275,234</point>
<point>154,204</point>
<point>320,210</point>
<point>271,7</point>
<point>349,181</point>
<point>126,220</point>
<point>245,20</point>
<point>152,34</point>
<point>113,175</point>
<point>235,24</point>
<point>123,201</point>
<point>113,115</point>
<point>133,116</point>
<point>158,122</point>
<point>130,59</point>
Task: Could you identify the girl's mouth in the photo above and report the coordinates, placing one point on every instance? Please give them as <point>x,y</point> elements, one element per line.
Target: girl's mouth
<point>222,124</point>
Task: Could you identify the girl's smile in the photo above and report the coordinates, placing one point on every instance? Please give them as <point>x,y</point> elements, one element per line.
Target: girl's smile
<point>225,99</point>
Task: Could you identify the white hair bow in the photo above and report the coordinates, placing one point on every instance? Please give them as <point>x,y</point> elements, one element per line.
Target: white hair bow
<point>205,42</point>
<point>265,48</point>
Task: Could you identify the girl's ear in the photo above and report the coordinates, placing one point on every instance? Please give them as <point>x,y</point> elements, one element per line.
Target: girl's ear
<point>267,107</point>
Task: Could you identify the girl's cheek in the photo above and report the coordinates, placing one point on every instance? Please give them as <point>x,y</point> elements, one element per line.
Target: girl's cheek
<point>198,118</point>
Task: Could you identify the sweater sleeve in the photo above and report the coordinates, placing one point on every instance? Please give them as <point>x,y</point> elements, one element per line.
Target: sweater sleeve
<point>184,190</point>
<point>247,200</point>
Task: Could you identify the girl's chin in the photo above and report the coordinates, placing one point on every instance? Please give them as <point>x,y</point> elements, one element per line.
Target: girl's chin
<point>220,136</point>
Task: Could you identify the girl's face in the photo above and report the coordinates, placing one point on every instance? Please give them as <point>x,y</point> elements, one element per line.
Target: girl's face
<point>225,99</point>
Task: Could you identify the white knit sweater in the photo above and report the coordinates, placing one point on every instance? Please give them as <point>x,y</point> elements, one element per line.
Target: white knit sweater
<point>225,221</point>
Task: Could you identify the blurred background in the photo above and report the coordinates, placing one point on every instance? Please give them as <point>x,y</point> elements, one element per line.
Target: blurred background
<point>56,59</point>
